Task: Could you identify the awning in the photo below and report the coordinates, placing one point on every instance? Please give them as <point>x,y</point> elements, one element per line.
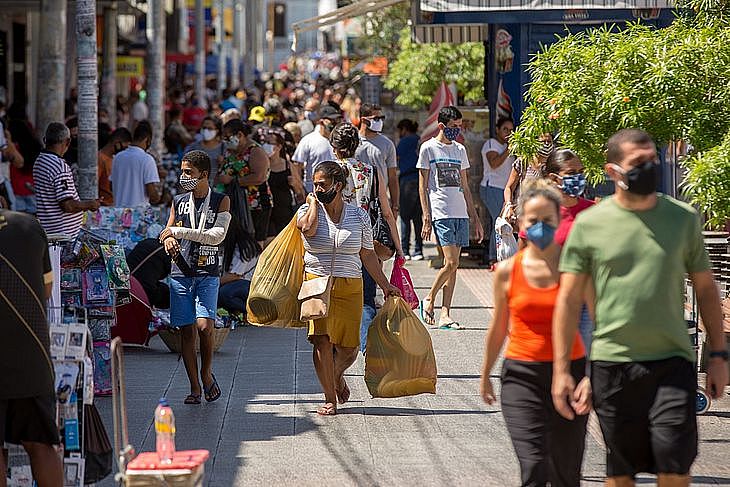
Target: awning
<point>356,9</point>
<point>502,5</point>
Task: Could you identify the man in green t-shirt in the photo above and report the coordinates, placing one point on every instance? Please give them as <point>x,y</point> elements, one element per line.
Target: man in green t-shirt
<point>634,250</point>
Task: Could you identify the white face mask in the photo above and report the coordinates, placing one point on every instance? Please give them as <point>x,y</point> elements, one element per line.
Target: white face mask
<point>232,143</point>
<point>269,148</point>
<point>376,125</point>
<point>208,134</point>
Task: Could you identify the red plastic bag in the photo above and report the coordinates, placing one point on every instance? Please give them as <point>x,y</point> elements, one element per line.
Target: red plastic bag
<point>401,279</point>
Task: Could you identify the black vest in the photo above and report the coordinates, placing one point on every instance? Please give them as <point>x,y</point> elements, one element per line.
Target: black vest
<point>203,260</point>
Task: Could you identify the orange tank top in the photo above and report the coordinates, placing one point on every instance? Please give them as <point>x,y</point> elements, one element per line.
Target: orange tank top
<point>531,319</point>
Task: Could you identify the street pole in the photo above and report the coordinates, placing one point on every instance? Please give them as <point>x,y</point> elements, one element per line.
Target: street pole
<point>221,40</point>
<point>236,46</point>
<point>200,52</point>
<point>86,65</point>
<point>51,64</point>
<point>109,69</point>
<point>156,72</point>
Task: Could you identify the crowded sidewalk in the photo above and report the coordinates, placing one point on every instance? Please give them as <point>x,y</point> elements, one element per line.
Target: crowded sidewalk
<point>264,431</point>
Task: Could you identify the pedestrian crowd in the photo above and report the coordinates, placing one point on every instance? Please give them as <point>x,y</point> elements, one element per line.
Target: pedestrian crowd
<point>590,305</point>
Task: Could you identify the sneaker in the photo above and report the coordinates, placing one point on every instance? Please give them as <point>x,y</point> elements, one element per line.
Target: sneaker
<point>407,257</point>
<point>416,257</point>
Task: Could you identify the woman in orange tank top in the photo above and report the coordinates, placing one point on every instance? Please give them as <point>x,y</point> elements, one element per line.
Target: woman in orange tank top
<point>549,447</point>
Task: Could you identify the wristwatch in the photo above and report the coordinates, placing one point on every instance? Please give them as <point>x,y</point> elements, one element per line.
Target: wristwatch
<point>719,354</point>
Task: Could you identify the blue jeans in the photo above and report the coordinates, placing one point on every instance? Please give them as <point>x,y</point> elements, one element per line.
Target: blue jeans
<point>410,211</point>
<point>369,288</point>
<point>232,296</point>
<point>493,199</point>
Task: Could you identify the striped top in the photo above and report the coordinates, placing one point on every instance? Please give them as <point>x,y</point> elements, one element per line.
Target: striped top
<point>54,183</point>
<point>353,234</point>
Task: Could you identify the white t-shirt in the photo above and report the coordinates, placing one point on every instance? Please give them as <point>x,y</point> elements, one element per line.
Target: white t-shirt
<point>132,169</point>
<point>446,161</point>
<point>140,111</point>
<point>242,268</point>
<point>496,178</point>
<point>313,149</point>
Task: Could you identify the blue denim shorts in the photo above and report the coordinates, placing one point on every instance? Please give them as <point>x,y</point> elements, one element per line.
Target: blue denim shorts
<point>192,298</point>
<point>452,231</point>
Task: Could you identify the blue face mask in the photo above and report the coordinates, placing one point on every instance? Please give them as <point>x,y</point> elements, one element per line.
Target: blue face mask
<point>541,234</point>
<point>574,185</point>
<point>452,133</point>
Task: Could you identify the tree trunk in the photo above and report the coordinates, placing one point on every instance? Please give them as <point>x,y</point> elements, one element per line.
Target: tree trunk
<point>236,46</point>
<point>200,52</point>
<point>220,30</point>
<point>109,70</point>
<point>156,73</point>
<point>86,65</point>
<point>51,64</point>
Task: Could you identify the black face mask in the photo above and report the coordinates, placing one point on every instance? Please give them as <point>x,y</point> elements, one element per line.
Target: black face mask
<point>326,197</point>
<point>642,180</point>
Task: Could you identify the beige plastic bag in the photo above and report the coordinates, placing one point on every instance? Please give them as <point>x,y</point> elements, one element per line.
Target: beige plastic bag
<point>276,281</point>
<point>400,360</point>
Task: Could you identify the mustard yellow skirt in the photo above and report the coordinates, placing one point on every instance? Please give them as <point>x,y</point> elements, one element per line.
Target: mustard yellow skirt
<point>342,323</point>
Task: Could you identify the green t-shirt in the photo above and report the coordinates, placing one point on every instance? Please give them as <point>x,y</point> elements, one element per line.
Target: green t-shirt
<point>638,261</point>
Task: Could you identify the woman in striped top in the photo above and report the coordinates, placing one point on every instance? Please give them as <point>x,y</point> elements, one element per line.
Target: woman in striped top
<point>329,225</point>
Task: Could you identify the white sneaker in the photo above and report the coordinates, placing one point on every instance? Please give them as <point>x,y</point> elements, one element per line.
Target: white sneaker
<point>407,257</point>
<point>417,257</point>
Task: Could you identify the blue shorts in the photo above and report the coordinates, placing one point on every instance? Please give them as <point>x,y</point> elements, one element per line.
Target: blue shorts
<point>452,231</point>
<point>192,298</point>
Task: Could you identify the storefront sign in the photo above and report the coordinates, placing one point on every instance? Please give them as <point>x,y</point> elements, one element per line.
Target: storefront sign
<point>130,66</point>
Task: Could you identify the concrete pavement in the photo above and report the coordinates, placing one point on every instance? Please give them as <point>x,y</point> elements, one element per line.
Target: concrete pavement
<point>264,429</point>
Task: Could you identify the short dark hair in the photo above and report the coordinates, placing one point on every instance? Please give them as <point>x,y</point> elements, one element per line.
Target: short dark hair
<point>408,125</point>
<point>368,109</point>
<point>333,170</point>
<point>142,131</point>
<point>236,125</point>
<point>199,159</point>
<point>614,151</point>
<point>122,134</point>
<point>345,138</point>
<point>503,120</point>
<point>557,160</point>
<point>447,114</point>
<point>215,120</point>
<point>174,113</point>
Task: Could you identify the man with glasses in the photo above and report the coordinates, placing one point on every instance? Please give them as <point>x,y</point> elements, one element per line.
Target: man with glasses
<point>134,171</point>
<point>59,207</point>
<point>634,250</point>
<point>378,150</point>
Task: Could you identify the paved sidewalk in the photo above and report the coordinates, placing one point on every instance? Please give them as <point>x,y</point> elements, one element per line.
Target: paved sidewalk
<point>264,429</point>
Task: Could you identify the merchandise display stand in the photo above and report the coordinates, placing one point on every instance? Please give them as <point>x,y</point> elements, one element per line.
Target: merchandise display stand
<point>144,470</point>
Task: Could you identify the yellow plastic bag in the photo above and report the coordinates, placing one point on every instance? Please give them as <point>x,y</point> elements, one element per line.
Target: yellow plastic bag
<point>276,281</point>
<point>399,360</point>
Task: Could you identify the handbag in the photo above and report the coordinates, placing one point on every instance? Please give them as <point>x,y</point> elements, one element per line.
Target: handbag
<point>97,448</point>
<point>314,295</point>
<point>382,239</point>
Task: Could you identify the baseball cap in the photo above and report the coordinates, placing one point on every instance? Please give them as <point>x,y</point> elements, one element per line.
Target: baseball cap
<point>257,114</point>
<point>329,112</point>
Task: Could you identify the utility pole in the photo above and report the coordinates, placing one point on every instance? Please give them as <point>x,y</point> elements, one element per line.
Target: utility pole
<point>109,64</point>
<point>247,43</point>
<point>51,63</point>
<point>220,30</point>
<point>236,45</point>
<point>200,52</point>
<point>156,72</point>
<point>86,65</point>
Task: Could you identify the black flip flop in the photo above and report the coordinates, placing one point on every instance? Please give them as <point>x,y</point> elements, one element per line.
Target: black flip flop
<point>213,392</point>
<point>192,399</point>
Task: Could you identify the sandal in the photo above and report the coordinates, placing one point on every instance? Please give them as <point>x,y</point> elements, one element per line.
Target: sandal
<point>343,395</point>
<point>426,316</point>
<point>192,399</point>
<point>328,409</point>
<point>453,325</point>
<point>212,392</point>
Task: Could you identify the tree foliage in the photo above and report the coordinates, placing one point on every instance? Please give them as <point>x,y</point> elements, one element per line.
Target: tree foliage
<point>419,69</point>
<point>672,82</point>
<point>382,30</point>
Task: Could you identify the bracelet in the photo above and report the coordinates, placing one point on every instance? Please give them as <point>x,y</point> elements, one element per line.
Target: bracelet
<point>719,354</point>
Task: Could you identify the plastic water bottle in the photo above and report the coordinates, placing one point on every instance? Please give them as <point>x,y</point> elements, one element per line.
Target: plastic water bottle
<point>165,430</point>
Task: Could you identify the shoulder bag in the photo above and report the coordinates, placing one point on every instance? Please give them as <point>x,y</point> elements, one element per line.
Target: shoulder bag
<point>382,239</point>
<point>314,295</point>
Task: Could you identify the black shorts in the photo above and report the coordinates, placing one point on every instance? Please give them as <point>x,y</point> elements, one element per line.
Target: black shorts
<point>29,419</point>
<point>647,415</point>
<point>261,223</point>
